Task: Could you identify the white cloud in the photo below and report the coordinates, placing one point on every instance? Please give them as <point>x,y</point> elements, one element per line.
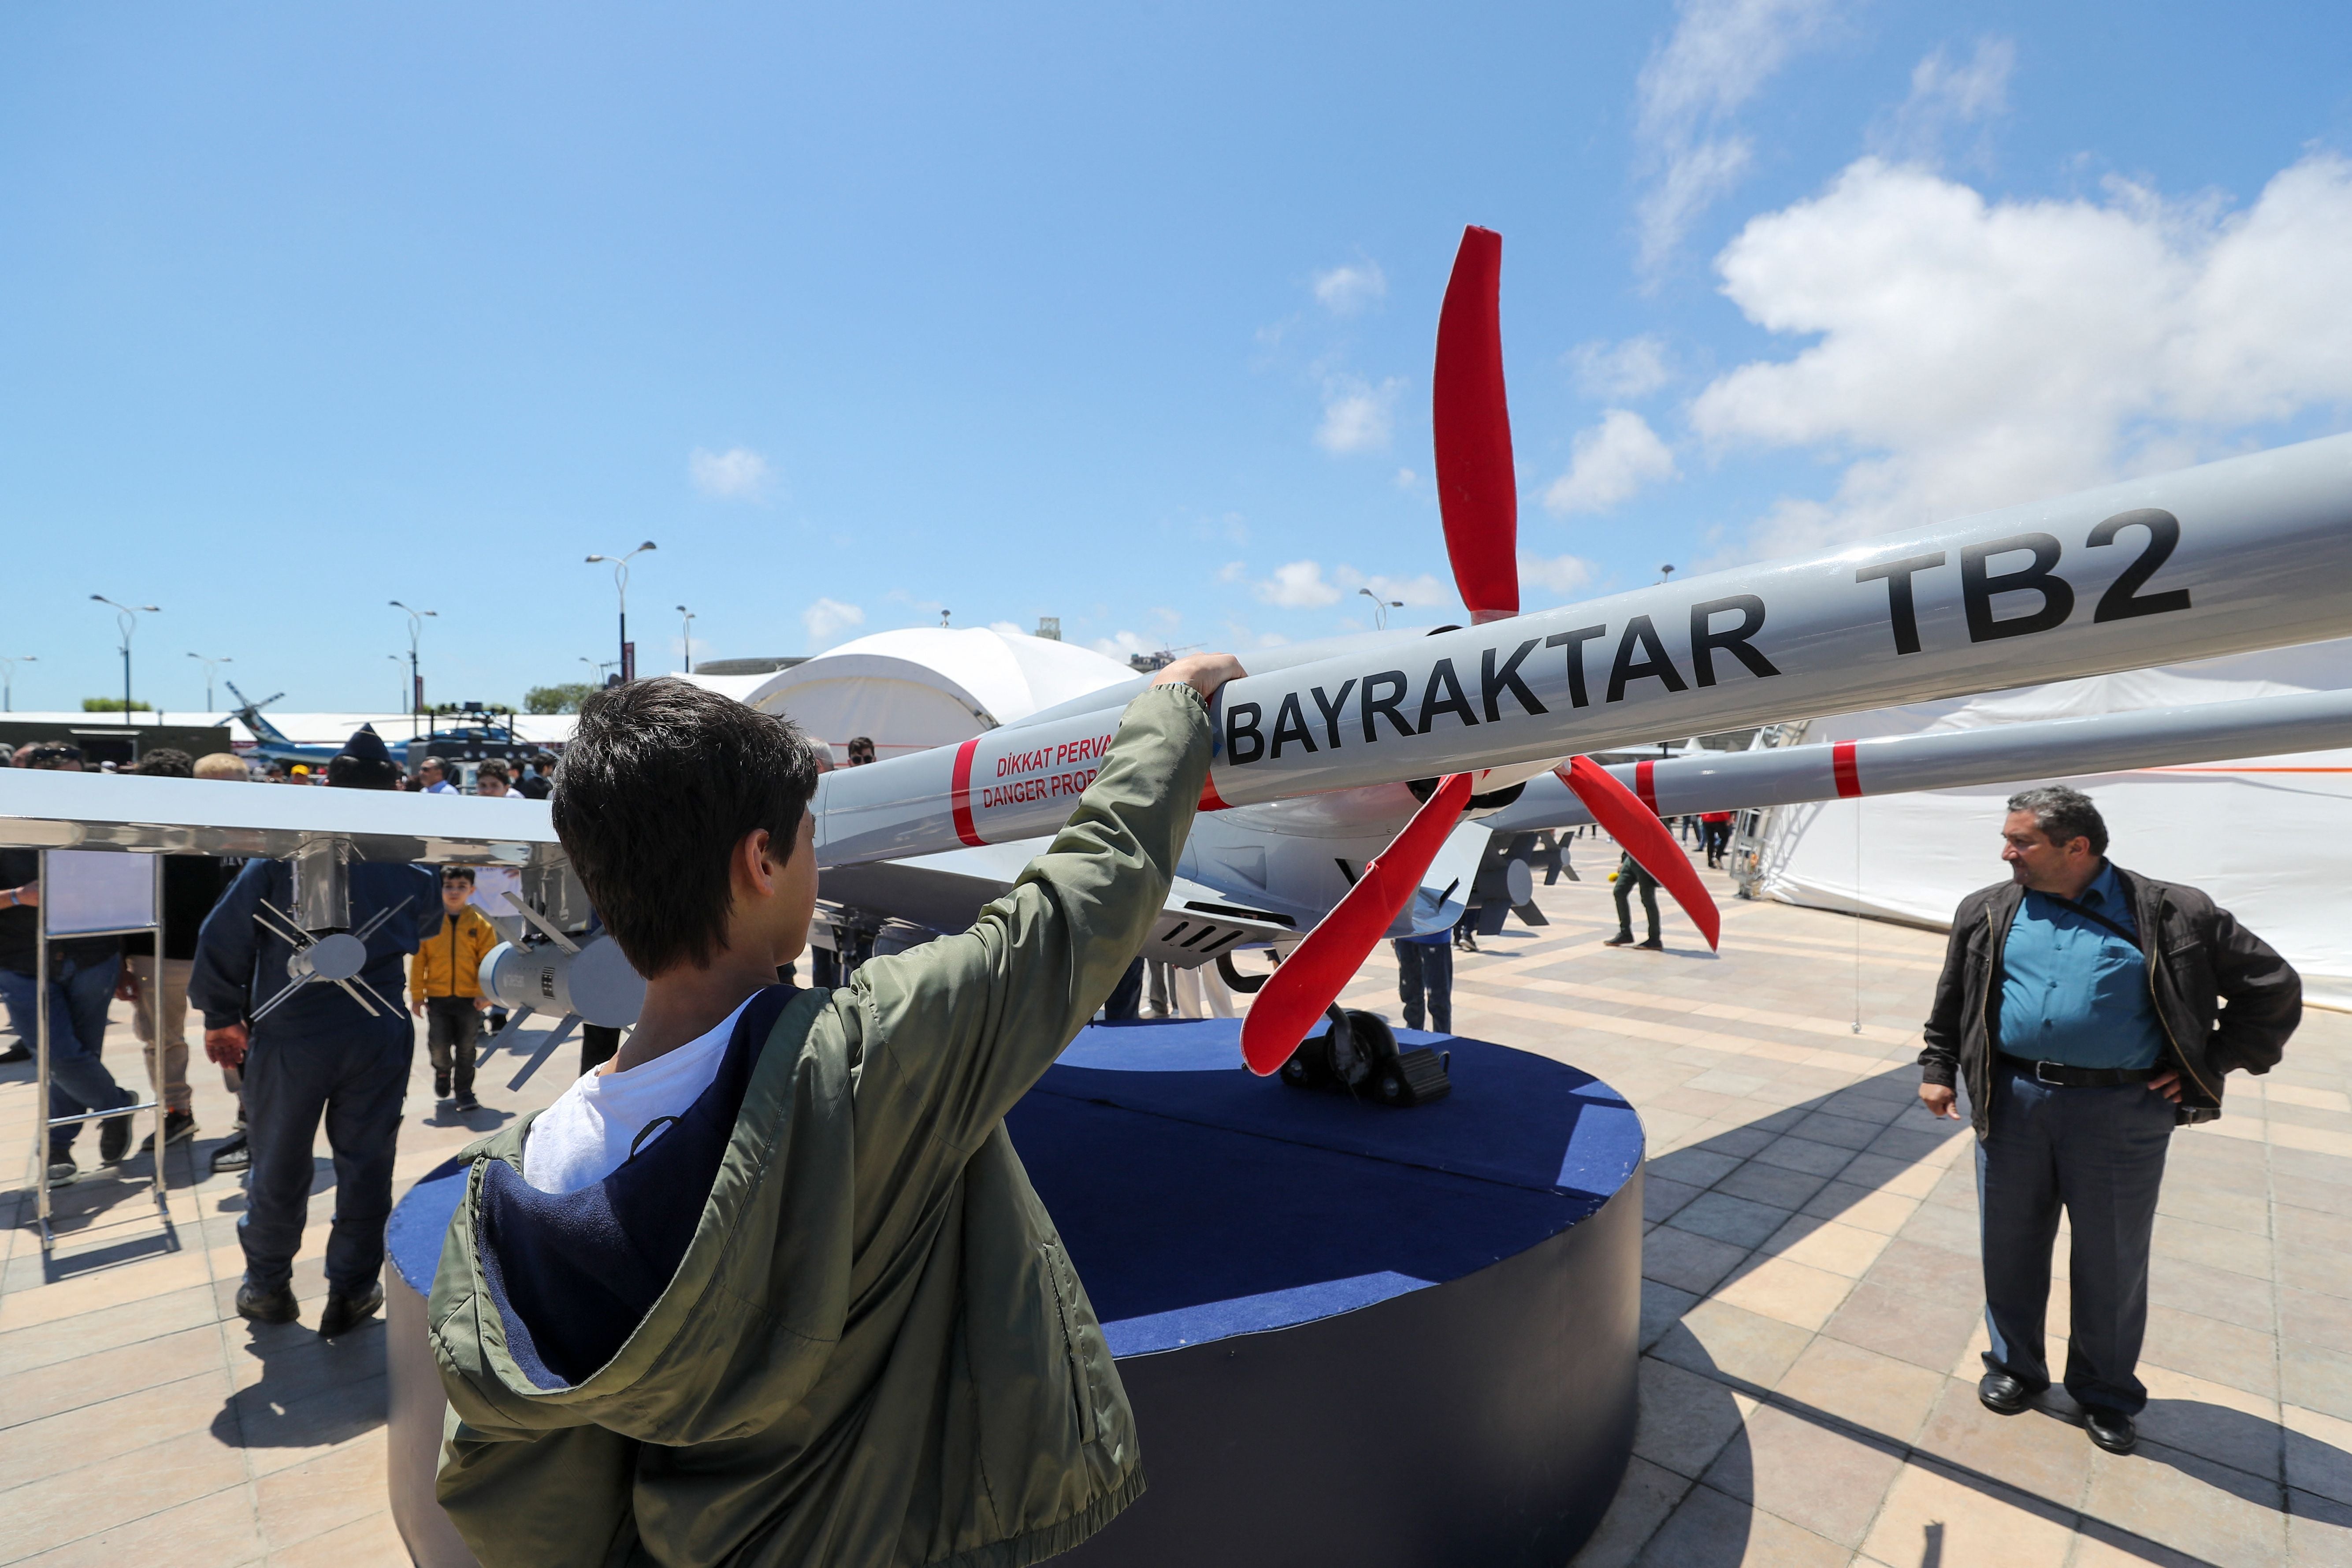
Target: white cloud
<point>1969,355</point>
<point>1609,462</point>
<point>1404,478</point>
<point>1561,575</point>
<point>1344,291</point>
<point>1721,54</point>
<point>1298,585</point>
<point>736,474</point>
<point>1301,585</point>
<point>1615,373</point>
<point>1231,571</point>
<point>1125,644</point>
<point>827,619</point>
<point>1357,416</point>
<point>1946,97</point>
<point>1422,589</point>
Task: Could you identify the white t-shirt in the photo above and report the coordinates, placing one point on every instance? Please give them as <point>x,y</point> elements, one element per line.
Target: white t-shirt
<point>587,1134</point>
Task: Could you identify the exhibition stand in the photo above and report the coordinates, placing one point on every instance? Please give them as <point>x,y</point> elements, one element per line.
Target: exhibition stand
<point>1350,1332</point>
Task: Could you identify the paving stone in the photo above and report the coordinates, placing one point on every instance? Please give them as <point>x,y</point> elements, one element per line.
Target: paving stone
<point>1934,1515</point>
<point>1709,1529</point>
<point>1725,1218</point>
<point>1687,1260</point>
<point>1926,1332</point>
<point>2210,1511</point>
<point>1782,1188</point>
<point>1814,1476</point>
<point>1686,1418</point>
<point>1717,1339</point>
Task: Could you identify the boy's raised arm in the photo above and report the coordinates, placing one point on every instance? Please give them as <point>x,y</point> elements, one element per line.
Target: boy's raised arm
<point>963,1025</point>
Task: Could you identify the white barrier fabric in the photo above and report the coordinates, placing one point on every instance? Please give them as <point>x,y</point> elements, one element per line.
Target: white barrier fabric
<point>2269,838</point>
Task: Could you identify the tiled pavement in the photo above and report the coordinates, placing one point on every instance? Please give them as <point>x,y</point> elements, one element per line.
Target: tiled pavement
<point>1810,1322</point>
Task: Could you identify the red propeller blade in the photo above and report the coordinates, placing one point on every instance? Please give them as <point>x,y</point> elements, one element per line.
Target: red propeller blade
<point>1638,830</point>
<point>1477,491</point>
<point>1292,999</point>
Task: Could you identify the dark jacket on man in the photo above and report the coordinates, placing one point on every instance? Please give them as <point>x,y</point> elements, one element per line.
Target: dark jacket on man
<point>2199,956</point>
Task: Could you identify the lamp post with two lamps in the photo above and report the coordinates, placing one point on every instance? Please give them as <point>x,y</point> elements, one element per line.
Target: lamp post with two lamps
<point>1380,608</point>
<point>620,565</point>
<point>209,664</point>
<point>417,619</point>
<point>127,617</point>
<point>8,663</point>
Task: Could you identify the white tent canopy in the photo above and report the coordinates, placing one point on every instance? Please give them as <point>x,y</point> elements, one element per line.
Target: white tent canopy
<point>2265,836</point>
<point>931,686</point>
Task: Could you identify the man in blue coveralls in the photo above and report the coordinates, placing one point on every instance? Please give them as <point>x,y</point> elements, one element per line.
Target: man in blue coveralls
<point>317,1054</point>
<point>2080,1004</point>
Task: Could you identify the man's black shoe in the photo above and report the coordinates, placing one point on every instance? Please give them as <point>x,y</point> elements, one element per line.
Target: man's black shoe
<point>1622,939</point>
<point>62,1169</point>
<point>234,1155</point>
<point>440,1086</point>
<point>113,1140</point>
<point>345,1312</point>
<point>2110,1429</point>
<point>2002,1395</point>
<point>179,1126</point>
<point>17,1052</point>
<point>266,1306</point>
<point>465,1102</point>
<point>1652,945</point>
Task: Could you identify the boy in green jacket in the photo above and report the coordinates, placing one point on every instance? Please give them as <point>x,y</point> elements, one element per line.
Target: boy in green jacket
<point>771,1286</point>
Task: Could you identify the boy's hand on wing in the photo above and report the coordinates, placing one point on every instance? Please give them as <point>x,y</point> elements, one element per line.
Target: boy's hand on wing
<point>1204,672</point>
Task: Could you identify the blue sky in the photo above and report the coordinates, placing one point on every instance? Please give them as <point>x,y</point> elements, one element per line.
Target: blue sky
<point>1118,314</point>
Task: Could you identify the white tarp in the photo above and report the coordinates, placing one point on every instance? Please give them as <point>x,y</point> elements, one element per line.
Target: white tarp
<point>931,686</point>
<point>2270,838</point>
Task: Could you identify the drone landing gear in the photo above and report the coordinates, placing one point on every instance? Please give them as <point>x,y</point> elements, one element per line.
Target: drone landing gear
<point>1358,1055</point>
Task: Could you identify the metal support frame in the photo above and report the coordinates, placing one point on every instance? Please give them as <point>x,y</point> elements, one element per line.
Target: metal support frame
<point>43,1123</point>
<point>1753,828</point>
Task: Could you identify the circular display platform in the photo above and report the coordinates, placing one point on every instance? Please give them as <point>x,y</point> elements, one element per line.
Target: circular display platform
<point>1351,1333</point>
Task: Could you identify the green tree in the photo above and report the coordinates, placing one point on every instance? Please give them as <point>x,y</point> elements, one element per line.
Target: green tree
<point>113,705</point>
<point>565,697</point>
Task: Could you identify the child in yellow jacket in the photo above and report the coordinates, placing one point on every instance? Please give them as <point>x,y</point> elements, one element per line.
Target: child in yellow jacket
<point>446,988</point>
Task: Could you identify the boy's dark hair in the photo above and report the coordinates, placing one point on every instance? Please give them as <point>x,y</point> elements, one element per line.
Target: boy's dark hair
<point>458,874</point>
<point>492,768</point>
<point>166,763</point>
<point>661,781</point>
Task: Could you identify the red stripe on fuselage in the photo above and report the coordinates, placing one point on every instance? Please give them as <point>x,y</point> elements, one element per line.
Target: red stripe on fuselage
<point>1645,785</point>
<point>1849,779</point>
<point>960,793</point>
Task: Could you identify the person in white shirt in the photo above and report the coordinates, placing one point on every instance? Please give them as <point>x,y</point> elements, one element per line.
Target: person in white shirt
<point>433,777</point>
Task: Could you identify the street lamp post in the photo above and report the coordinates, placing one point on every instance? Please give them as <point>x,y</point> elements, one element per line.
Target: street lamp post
<point>1380,608</point>
<point>405,701</point>
<point>208,663</point>
<point>620,564</point>
<point>8,664</point>
<point>599,667</point>
<point>415,680</point>
<point>127,617</point>
<point>685,637</point>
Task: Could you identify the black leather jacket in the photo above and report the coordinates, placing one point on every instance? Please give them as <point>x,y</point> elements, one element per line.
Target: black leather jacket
<point>2198,957</point>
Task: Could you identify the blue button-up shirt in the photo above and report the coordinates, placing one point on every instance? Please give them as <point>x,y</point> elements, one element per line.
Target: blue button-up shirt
<point>2071,991</point>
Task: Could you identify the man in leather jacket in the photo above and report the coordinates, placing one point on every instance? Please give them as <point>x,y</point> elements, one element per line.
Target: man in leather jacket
<point>2089,1011</point>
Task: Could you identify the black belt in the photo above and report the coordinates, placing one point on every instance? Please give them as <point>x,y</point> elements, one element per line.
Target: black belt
<point>2058,1075</point>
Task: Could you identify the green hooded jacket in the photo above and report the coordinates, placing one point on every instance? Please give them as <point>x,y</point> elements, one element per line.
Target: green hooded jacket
<point>875,1350</point>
